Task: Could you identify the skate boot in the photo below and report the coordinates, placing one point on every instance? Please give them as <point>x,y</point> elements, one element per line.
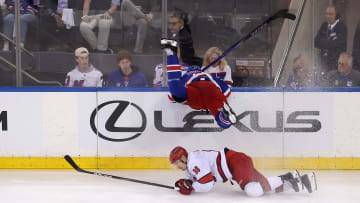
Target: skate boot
<point>169,45</point>
<point>293,178</point>
<point>229,113</point>
<point>309,182</point>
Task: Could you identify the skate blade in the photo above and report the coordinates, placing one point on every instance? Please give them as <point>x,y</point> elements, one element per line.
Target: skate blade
<point>168,42</point>
<point>310,180</point>
<point>296,175</point>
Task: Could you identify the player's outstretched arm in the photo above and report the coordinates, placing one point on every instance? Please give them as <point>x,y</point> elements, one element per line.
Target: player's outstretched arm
<point>184,186</point>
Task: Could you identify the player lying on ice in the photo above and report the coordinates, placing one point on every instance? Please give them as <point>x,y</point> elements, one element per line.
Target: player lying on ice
<point>205,167</point>
<point>197,89</point>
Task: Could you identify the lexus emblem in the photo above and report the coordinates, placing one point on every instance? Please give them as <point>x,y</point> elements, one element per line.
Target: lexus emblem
<point>111,120</point>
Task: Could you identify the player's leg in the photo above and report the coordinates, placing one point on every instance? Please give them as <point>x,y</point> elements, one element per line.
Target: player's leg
<point>291,180</point>
<point>176,85</point>
<point>250,180</point>
<point>208,96</point>
<point>226,91</point>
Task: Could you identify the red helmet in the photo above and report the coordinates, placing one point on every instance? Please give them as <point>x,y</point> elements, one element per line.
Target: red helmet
<point>176,154</point>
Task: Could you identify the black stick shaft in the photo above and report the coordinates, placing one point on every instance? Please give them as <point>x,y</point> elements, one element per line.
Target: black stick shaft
<point>77,168</point>
<point>279,14</point>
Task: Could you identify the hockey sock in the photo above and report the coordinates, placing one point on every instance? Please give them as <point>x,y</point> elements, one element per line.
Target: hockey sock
<point>274,182</point>
<point>168,51</point>
<point>285,187</point>
<point>173,68</point>
<point>176,86</point>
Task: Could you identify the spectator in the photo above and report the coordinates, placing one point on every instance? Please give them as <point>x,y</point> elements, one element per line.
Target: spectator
<point>158,80</point>
<point>84,74</point>
<point>356,48</point>
<point>101,19</point>
<point>240,76</point>
<point>28,14</point>
<point>126,75</point>
<point>180,31</point>
<point>344,76</point>
<point>301,76</point>
<point>220,69</point>
<point>56,32</point>
<point>139,14</point>
<point>331,39</point>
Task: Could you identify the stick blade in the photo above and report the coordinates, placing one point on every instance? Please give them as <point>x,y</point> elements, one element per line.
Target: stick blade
<point>71,162</point>
<point>290,16</point>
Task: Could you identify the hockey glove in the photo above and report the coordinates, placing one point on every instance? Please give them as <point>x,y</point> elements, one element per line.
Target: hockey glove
<point>222,120</point>
<point>185,186</point>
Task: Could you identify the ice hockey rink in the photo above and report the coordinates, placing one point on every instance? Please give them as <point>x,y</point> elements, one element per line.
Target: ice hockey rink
<point>68,186</point>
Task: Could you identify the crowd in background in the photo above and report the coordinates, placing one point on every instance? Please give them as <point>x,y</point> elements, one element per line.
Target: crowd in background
<point>337,67</point>
<point>90,26</point>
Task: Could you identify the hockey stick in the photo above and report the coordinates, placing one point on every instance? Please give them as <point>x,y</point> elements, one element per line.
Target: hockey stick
<point>76,167</point>
<point>280,14</point>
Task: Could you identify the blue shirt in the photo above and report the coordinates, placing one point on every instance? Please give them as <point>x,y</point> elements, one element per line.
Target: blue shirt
<point>118,79</point>
<point>116,2</point>
<point>26,6</point>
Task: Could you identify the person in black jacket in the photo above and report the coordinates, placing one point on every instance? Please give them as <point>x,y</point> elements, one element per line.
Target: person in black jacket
<point>180,31</point>
<point>356,49</point>
<point>331,39</point>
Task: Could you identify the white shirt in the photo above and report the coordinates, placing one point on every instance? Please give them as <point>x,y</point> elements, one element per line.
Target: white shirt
<point>333,25</point>
<point>91,78</point>
<point>225,74</point>
<point>205,167</point>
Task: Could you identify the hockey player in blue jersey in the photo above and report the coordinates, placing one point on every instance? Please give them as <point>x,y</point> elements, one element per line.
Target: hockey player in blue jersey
<point>197,89</point>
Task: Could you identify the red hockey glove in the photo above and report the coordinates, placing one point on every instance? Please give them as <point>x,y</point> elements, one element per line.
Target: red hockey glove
<point>185,186</point>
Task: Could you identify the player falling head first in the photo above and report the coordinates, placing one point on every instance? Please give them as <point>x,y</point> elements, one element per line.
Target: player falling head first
<point>197,89</point>
<point>206,167</point>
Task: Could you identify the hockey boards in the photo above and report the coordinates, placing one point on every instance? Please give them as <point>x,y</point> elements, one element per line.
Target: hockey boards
<point>77,168</point>
<point>280,14</point>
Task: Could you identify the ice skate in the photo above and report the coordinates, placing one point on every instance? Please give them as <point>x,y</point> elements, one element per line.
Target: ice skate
<point>309,182</point>
<point>169,44</point>
<point>229,113</point>
<point>293,178</point>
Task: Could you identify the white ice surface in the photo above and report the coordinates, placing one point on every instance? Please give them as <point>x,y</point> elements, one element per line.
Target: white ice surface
<point>74,187</point>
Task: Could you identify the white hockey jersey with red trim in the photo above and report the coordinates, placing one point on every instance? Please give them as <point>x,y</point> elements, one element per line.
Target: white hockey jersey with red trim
<point>224,75</point>
<point>91,78</point>
<point>205,168</point>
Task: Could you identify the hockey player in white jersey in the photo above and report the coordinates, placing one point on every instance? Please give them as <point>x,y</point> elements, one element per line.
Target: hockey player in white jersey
<point>84,74</point>
<point>206,167</point>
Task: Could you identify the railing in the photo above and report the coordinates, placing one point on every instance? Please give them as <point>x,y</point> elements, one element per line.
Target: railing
<point>33,63</point>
